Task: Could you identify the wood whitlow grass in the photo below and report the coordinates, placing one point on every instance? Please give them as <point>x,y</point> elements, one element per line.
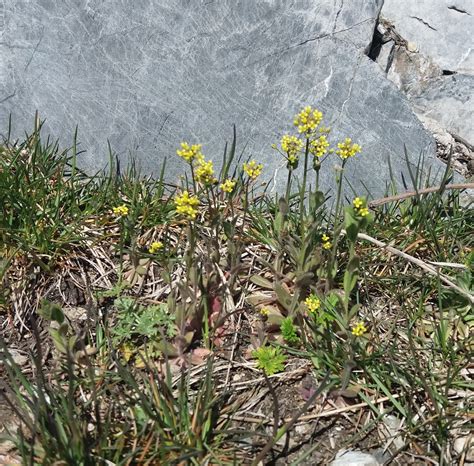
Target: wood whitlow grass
<point>180,281</point>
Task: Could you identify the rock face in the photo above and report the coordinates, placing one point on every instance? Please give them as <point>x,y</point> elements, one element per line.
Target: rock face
<point>426,49</point>
<point>450,101</point>
<point>442,29</point>
<point>148,74</point>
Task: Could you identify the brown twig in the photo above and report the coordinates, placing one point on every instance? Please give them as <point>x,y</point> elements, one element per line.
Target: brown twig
<point>399,197</point>
<point>426,267</point>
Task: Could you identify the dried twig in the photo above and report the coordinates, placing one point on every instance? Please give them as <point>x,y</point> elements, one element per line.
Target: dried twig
<point>406,195</point>
<point>426,267</point>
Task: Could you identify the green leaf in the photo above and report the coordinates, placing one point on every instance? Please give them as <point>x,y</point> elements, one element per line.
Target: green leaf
<point>350,280</point>
<point>278,223</point>
<point>283,206</point>
<point>288,331</point>
<point>316,200</point>
<point>271,360</point>
<point>228,229</point>
<point>262,282</point>
<point>58,340</point>
<point>353,265</point>
<point>284,298</point>
<point>352,231</point>
<point>354,310</point>
<point>51,311</point>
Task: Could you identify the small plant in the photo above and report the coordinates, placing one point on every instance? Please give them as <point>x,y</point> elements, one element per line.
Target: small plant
<point>135,321</point>
<point>270,359</point>
<point>288,331</point>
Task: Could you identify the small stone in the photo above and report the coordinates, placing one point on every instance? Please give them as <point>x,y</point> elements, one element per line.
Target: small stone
<point>75,314</point>
<point>465,444</point>
<point>18,357</point>
<point>302,429</point>
<point>393,427</point>
<point>354,458</point>
<point>412,47</point>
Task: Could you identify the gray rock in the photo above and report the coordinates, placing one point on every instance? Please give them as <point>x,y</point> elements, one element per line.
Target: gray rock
<point>450,101</point>
<point>411,72</point>
<point>354,458</point>
<point>421,71</point>
<point>148,74</point>
<point>441,29</point>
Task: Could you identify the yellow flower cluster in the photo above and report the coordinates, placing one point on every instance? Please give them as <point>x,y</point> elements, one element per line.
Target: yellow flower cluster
<point>264,311</point>
<point>319,146</point>
<point>228,185</point>
<point>360,207</point>
<point>187,205</point>
<point>308,120</point>
<point>326,241</point>
<point>291,145</point>
<point>121,210</point>
<point>190,152</point>
<point>312,303</point>
<point>204,172</point>
<point>253,169</point>
<point>347,149</point>
<point>324,129</point>
<point>359,329</point>
<point>155,247</point>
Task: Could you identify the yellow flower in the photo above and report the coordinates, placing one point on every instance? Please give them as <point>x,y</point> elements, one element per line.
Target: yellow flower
<point>292,160</point>
<point>228,185</point>
<point>291,145</point>
<point>319,146</point>
<point>326,241</point>
<point>360,207</point>
<point>312,303</point>
<point>347,149</point>
<point>190,152</point>
<point>358,202</point>
<point>204,172</point>
<point>308,120</point>
<point>121,210</point>
<point>359,329</point>
<point>264,311</point>
<point>253,169</point>
<point>324,129</point>
<point>155,247</point>
<point>187,205</point>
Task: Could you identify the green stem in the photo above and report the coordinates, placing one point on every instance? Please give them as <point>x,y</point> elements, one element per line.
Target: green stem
<point>194,179</point>
<point>337,226</point>
<point>288,186</point>
<point>303,187</point>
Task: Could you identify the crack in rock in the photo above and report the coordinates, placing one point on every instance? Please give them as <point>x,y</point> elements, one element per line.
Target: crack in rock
<point>8,97</point>
<point>459,10</point>
<point>341,6</point>
<point>424,22</point>
<point>35,50</point>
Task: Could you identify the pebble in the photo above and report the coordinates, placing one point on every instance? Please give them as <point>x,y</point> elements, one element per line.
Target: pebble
<point>465,444</point>
<point>354,458</point>
<point>18,358</point>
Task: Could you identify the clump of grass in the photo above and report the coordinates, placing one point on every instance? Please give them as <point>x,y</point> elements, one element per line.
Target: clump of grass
<point>379,300</point>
